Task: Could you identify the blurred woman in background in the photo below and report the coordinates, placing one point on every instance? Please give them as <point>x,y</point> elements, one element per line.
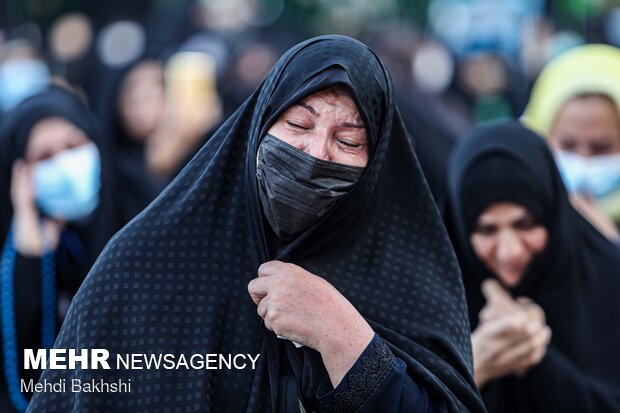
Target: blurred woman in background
<point>575,103</point>
<point>541,281</point>
<point>57,211</point>
<point>23,72</point>
<point>130,112</point>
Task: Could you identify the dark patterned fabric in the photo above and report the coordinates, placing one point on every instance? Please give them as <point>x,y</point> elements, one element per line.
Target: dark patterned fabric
<point>175,279</point>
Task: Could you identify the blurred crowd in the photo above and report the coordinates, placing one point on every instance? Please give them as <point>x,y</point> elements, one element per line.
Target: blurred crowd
<point>102,104</point>
<point>154,69</point>
<point>484,54</point>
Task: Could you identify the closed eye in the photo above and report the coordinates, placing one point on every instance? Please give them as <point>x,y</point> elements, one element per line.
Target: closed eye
<point>526,223</point>
<point>601,148</point>
<point>485,229</point>
<point>297,126</point>
<point>350,145</point>
<point>567,144</point>
<point>43,157</point>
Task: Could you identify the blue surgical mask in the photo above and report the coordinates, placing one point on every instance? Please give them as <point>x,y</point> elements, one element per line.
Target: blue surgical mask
<point>19,79</point>
<point>604,174</point>
<point>574,170</point>
<point>67,185</point>
<point>595,176</point>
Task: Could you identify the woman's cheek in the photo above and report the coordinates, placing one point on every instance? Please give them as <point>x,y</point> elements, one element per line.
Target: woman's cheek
<point>537,239</point>
<point>483,247</point>
<point>359,159</point>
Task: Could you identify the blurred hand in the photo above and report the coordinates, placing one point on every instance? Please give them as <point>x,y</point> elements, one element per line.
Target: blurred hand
<point>183,126</point>
<point>22,188</point>
<point>512,335</point>
<point>31,236</point>
<point>306,309</point>
<point>499,302</point>
<point>508,345</point>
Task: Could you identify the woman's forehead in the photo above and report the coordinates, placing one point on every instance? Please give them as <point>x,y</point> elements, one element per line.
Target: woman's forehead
<point>331,98</point>
<point>326,62</point>
<point>52,132</point>
<point>504,212</point>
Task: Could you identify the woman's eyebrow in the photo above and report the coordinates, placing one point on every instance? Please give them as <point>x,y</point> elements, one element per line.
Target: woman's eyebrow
<point>318,115</point>
<point>353,125</point>
<point>309,109</point>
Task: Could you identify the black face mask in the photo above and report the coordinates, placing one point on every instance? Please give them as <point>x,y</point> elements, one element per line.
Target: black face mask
<point>296,189</point>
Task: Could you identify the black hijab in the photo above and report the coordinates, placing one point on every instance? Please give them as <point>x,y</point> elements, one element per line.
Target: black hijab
<point>574,279</point>
<point>175,279</point>
<point>432,139</point>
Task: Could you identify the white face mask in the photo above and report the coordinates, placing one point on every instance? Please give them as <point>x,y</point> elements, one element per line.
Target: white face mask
<point>596,176</point>
<point>19,79</point>
<point>67,185</point>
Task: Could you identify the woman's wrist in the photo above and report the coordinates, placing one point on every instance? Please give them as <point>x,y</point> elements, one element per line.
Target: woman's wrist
<point>32,236</point>
<point>481,376</point>
<point>27,236</point>
<point>342,347</point>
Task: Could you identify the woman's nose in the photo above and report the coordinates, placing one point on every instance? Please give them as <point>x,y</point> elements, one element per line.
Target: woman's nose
<point>510,248</point>
<point>318,147</point>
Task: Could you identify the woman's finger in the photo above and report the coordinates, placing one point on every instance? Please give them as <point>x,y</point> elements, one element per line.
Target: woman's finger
<point>258,289</point>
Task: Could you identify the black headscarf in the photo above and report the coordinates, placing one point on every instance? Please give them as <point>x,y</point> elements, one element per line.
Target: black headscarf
<point>499,178</point>
<point>432,139</point>
<point>574,279</point>
<point>175,279</point>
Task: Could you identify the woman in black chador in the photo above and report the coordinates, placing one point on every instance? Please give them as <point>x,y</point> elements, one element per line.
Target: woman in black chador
<point>542,283</point>
<point>58,209</point>
<point>309,198</point>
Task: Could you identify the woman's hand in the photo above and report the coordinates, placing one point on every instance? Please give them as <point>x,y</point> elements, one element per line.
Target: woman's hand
<point>31,237</point>
<point>508,345</point>
<point>188,116</point>
<point>500,303</point>
<point>306,309</point>
<point>511,338</point>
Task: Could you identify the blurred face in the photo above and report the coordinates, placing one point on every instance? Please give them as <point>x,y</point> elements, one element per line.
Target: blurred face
<point>142,99</point>
<point>506,237</point>
<point>254,64</point>
<point>587,126</point>
<point>327,126</point>
<point>51,136</point>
